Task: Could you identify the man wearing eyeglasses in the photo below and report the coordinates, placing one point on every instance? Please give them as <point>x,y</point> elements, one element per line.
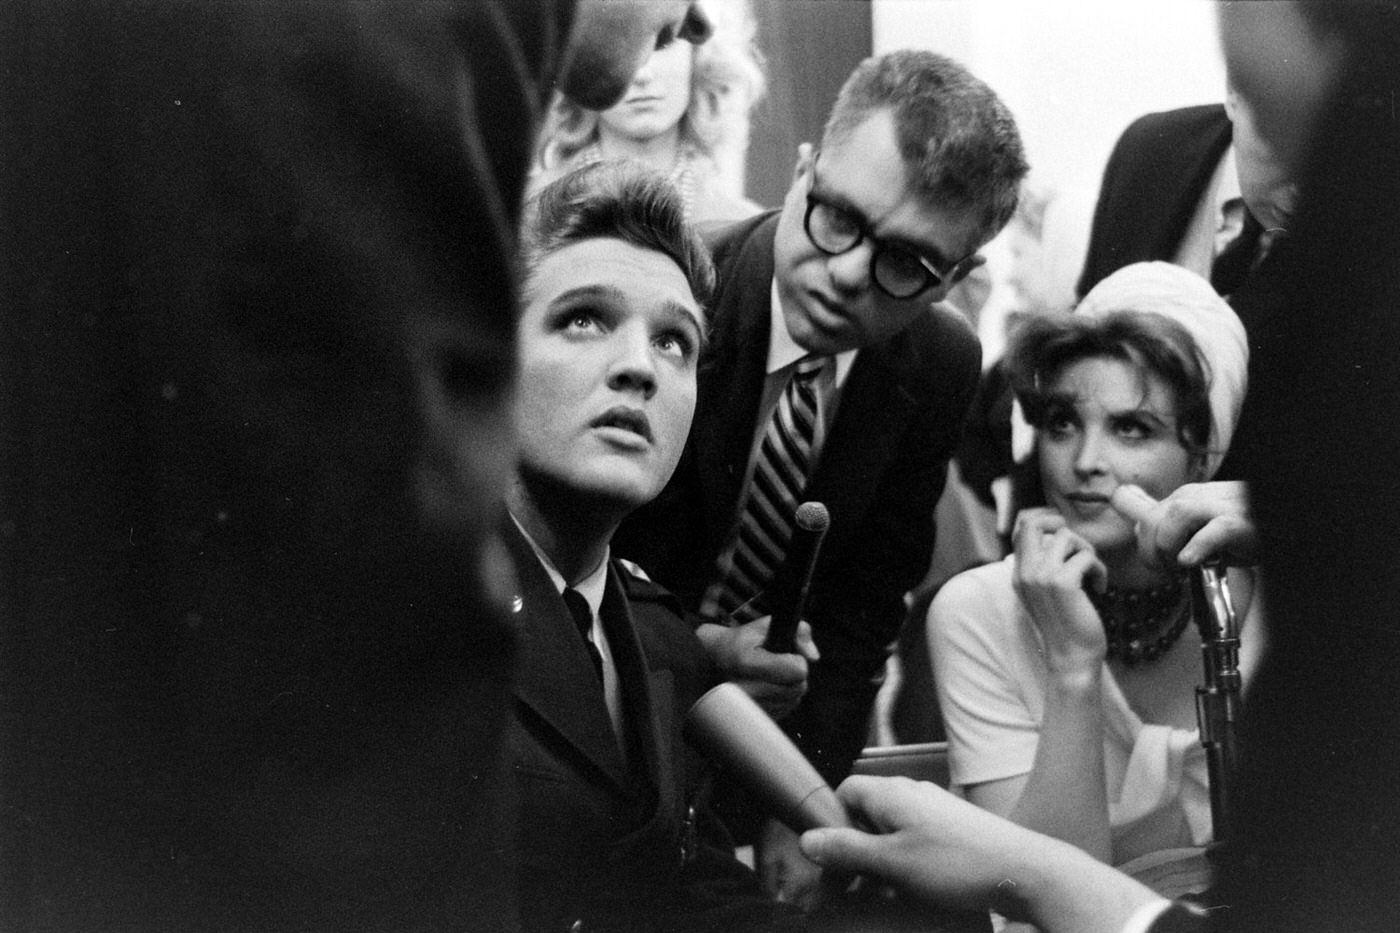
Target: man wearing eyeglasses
<point>835,375</point>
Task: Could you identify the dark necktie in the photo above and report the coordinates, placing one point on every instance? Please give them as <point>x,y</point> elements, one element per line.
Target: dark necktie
<point>779,478</point>
<point>1235,261</point>
<point>583,618</point>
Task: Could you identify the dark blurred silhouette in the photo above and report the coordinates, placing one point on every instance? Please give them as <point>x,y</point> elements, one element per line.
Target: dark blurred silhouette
<point>258,337</point>
<point>1319,820</point>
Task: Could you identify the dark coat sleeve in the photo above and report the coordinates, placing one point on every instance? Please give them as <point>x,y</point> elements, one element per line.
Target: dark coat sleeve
<point>1155,176</point>
<point>248,240</point>
<point>619,849</point>
<point>716,891</point>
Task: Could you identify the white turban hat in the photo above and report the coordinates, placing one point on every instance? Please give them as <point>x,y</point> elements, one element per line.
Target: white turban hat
<point>1185,297</point>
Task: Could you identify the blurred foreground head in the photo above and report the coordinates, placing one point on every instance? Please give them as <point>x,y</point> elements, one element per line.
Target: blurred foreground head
<point>612,38</point>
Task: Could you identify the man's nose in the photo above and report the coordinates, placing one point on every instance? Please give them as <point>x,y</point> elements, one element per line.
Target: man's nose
<point>633,367</point>
<point>850,271</point>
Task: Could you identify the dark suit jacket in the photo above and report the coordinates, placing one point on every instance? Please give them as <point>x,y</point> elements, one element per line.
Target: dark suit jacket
<point>1152,185</point>
<point>1155,177</point>
<point>605,839</point>
<point>1316,807</point>
<point>249,251</point>
<point>881,472</point>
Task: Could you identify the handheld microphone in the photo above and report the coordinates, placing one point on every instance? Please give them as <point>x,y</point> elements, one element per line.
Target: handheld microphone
<point>729,728</point>
<point>789,599</point>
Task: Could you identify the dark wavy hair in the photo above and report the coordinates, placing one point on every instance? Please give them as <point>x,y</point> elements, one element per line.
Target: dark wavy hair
<point>621,201</point>
<point>1042,346</point>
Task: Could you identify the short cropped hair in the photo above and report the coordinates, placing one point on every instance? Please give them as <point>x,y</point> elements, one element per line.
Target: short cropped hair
<point>1043,346</point>
<point>621,201</point>
<point>954,133</point>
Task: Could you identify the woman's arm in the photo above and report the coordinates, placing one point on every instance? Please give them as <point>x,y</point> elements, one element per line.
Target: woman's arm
<point>1065,793</point>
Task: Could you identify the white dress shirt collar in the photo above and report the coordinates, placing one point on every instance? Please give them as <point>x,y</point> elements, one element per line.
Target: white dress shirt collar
<point>783,351</point>
<point>591,587</point>
<point>1227,187</point>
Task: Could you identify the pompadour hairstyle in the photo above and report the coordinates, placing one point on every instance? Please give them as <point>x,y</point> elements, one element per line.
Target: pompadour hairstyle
<point>621,201</point>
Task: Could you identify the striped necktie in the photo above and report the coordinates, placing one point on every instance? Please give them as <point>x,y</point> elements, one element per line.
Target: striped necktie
<point>779,478</point>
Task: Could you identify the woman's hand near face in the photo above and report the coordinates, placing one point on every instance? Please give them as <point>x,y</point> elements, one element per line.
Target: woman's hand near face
<point>1064,794</point>
<point>1053,567</point>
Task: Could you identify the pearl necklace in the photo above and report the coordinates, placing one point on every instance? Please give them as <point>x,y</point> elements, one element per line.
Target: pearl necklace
<point>682,172</point>
<point>1142,625</point>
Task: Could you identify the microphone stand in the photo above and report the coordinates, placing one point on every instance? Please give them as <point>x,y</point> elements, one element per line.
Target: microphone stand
<point>1218,698</point>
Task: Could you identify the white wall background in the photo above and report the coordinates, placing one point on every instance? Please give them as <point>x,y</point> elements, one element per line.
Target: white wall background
<point>1074,73</point>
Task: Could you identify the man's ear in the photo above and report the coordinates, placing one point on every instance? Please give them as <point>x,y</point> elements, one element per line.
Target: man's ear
<point>1232,103</point>
<point>805,156</point>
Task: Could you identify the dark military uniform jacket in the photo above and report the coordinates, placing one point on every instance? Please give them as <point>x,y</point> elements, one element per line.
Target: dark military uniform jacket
<point>611,840</point>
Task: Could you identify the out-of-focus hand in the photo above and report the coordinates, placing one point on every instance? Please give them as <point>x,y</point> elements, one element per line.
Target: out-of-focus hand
<point>777,682</point>
<point>1196,522</point>
<point>1053,566</point>
<point>787,875</point>
<point>921,839</point>
<point>943,849</point>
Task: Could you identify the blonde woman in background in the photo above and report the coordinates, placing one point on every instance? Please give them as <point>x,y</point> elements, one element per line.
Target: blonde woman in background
<point>686,113</point>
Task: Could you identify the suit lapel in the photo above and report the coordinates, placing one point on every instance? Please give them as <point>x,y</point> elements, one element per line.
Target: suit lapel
<point>646,694</point>
<point>731,377</point>
<point>875,402</point>
<point>555,678</point>
<point>875,405</point>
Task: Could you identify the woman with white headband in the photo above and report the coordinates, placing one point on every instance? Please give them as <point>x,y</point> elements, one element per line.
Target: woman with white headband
<point>1066,672</point>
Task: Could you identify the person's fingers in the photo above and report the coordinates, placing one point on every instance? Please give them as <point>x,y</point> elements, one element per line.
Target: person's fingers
<point>1229,537</point>
<point>804,643</point>
<point>1132,502</point>
<point>1038,534</point>
<point>798,881</point>
<point>845,849</point>
<point>784,670</point>
<point>758,663</point>
<point>1090,569</point>
<point>880,802</point>
<point>766,692</point>
<point>1034,520</point>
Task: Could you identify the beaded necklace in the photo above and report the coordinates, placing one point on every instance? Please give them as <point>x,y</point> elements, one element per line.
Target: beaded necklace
<point>682,172</point>
<point>1142,625</point>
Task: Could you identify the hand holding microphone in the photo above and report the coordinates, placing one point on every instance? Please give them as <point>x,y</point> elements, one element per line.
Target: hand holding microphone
<point>728,727</point>
<point>768,657</point>
<point>1204,525</point>
<point>789,598</point>
<point>1195,523</point>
